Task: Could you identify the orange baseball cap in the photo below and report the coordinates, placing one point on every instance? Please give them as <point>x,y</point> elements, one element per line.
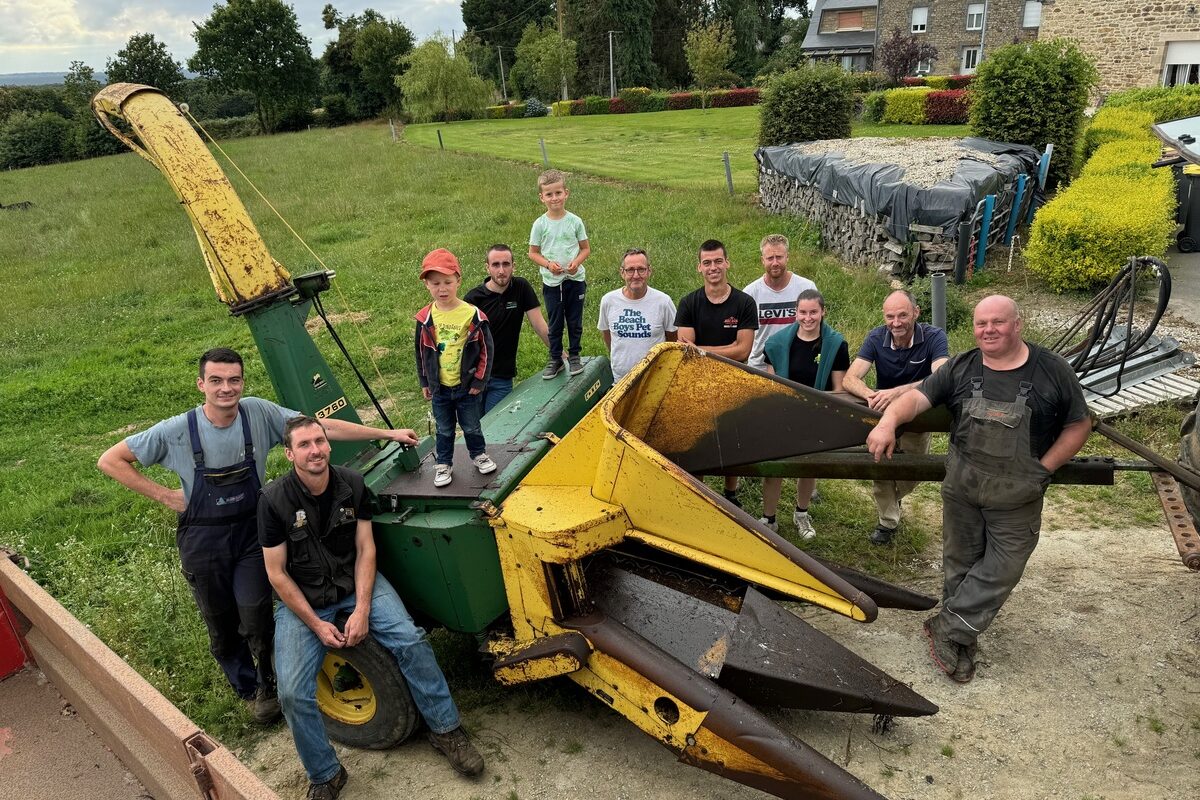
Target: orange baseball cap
<point>440,260</point>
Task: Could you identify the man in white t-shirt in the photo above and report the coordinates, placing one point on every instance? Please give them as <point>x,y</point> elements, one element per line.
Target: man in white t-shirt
<point>635,318</point>
<point>775,293</point>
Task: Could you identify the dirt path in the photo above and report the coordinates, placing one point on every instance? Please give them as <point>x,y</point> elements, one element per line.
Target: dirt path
<point>1088,687</point>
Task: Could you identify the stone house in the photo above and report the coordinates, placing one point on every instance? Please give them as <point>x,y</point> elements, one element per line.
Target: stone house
<point>963,32</point>
<point>843,31</point>
<point>1133,43</point>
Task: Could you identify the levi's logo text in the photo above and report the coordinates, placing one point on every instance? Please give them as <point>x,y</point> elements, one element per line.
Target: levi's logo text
<point>632,325</point>
<point>731,322</point>
<point>776,313</point>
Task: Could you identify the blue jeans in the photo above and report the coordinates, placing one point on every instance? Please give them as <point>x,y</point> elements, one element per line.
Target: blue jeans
<point>298,657</point>
<point>496,390</point>
<point>564,307</point>
<point>451,405</point>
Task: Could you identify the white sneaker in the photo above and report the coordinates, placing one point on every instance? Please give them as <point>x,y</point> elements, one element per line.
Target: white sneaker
<point>442,475</point>
<point>804,525</point>
<point>772,525</point>
<point>484,463</point>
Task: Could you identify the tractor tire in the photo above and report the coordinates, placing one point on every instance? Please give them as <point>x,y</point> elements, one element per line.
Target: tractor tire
<point>364,698</point>
<point>1189,456</point>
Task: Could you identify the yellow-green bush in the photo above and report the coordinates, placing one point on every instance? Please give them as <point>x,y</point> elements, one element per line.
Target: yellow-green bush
<point>939,82</point>
<point>561,109</point>
<point>1114,124</point>
<point>1085,234</point>
<point>1130,158</point>
<point>1165,103</point>
<point>906,106</point>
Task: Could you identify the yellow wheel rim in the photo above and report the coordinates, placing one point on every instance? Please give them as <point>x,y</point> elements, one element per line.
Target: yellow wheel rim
<point>353,706</point>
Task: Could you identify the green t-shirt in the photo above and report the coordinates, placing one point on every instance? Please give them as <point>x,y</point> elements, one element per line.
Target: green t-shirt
<point>558,240</point>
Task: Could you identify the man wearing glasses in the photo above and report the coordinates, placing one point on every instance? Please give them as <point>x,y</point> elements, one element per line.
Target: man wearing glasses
<point>635,317</point>
<point>505,299</point>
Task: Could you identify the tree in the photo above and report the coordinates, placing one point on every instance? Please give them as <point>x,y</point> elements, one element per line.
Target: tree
<point>900,53</point>
<point>502,22</point>
<point>85,136</point>
<point>545,63</point>
<point>743,19</point>
<point>79,87</point>
<point>709,49</point>
<point>146,60</point>
<point>789,52</point>
<point>441,86</point>
<point>363,62</point>
<point>1034,94</point>
<point>256,46</point>
<point>634,65</point>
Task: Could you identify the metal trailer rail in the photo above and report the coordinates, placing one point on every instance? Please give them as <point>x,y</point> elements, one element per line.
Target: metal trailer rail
<point>156,741</point>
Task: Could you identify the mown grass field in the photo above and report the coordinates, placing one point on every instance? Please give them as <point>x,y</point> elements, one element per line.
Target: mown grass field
<point>671,148</point>
<point>107,306</point>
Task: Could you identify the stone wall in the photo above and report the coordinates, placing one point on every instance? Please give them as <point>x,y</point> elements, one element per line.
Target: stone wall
<point>946,28</point>
<point>1127,38</point>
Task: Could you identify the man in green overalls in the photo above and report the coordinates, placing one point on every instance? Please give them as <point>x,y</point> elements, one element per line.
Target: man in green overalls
<point>1019,415</point>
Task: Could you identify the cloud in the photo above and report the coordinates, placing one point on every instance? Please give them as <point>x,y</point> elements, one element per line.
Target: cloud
<point>46,35</point>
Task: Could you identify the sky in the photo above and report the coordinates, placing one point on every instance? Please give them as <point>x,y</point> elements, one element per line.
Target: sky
<point>47,35</point>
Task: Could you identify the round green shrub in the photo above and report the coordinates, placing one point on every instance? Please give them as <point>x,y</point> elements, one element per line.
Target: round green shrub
<point>337,109</point>
<point>805,104</point>
<point>27,140</point>
<point>873,107</point>
<point>1034,93</point>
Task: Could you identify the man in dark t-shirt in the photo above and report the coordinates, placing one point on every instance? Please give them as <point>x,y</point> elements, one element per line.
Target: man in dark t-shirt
<point>506,300</point>
<point>718,319</point>
<point>1019,415</point>
<point>314,525</point>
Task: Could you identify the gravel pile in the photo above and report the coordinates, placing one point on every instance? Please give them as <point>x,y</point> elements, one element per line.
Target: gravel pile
<point>926,161</point>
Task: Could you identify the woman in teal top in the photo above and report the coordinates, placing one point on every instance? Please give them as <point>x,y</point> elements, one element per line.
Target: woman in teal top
<point>811,353</point>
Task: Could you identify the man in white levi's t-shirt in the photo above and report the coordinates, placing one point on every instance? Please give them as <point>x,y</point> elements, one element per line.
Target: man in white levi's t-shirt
<point>775,293</point>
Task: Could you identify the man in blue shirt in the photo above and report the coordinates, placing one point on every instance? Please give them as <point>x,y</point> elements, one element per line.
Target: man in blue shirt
<point>903,352</point>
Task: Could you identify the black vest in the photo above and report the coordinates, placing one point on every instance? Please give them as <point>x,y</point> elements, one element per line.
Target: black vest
<point>321,562</point>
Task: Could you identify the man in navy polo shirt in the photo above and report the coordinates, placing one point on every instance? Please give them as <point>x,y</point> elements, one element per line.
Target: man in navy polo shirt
<point>904,352</point>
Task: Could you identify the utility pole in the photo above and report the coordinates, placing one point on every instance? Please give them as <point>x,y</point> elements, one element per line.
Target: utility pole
<point>503,85</point>
<point>612,81</point>
<point>561,36</point>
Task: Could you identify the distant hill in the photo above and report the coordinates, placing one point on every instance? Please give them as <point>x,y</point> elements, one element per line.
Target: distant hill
<point>39,78</point>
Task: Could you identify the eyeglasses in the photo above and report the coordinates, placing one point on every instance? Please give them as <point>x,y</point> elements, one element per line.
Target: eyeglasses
<point>636,270</point>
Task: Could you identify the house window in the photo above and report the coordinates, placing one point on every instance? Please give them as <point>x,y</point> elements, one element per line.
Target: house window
<point>1033,14</point>
<point>920,19</point>
<point>975,17</point>
<point>970,60</point>
<point>1183,64</point>
<point>924,67</point>
<point>850,20</point>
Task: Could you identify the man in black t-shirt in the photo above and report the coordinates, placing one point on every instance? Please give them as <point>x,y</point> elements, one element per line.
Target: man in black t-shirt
<point>718,318</point>
<point>1019,415</point>
<point>505,299</point>
<point>314,525</point>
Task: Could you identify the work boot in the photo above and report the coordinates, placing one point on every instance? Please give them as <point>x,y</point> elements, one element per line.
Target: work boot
<point>944,652</point>
<point>964,671</point>
<point>574,365</point>
<point>265,705</point>
<point>553,367</point>
<point>882,535</point>
<point>804,525</point>
<point>457,748</point>
<point>330,789</point>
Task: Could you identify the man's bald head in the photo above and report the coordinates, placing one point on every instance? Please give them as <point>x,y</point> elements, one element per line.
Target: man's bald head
<point>998,327</point>
<point>900,314</point>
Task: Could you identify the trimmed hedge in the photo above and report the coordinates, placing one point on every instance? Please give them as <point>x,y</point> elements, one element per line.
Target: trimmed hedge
<point>906,106</point>
<point>510,111</point>
<point>1083,236</point>
<point>733,98</point>
<point>617,106</point>
<point>562,108</point>
<point>949,107</point>
<point>232,127</point>
<point>1116,124</point>
<point>656,101</point>
<point>1165,103</point>
<point>634,99</point>
<point>1118,207</point>
<point>805,104</point>
<point>939,82</point>
<point>868,81</point>
<point>681,101</point>
<point>594,104</point>
<point>873,106</point>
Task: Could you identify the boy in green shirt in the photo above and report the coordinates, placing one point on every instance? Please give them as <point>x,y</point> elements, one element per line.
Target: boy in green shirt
<point>558,244</point>
<point>454,360</point>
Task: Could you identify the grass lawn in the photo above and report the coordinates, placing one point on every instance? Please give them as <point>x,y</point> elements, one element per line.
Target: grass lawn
<point>107,306</point>
<point>672,148</point>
